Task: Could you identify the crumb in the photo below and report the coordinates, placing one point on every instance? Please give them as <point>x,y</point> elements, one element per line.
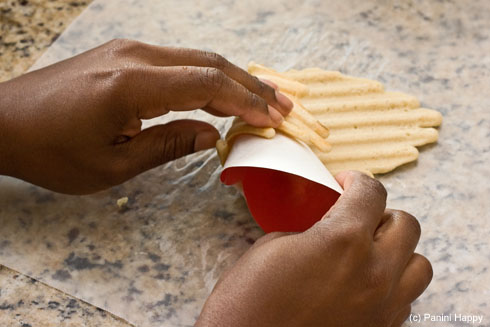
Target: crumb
<point>122,202</point>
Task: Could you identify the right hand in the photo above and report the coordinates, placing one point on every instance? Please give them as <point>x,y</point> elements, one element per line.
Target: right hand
<point>355,267</point>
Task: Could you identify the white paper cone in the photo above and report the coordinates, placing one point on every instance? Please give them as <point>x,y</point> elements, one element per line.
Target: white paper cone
<point>280,153</point>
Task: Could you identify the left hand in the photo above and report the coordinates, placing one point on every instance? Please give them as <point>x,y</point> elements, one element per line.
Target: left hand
<point>75,126</point>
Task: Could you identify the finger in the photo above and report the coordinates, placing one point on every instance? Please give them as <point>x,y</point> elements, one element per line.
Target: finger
<point>214,112</point>
<point>169,56</point>
<point>156,90</point>
<point>396,239</point>
<point>281,98</point>
<point>362,203</point>
<point>402,316</point>
<point>414,280</point>
<point>162,143</point>
<point>270,83</point>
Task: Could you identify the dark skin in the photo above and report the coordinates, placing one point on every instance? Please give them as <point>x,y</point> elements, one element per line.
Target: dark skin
<point>83,115</point>
<point>75,127</point>
<point>355,267</point>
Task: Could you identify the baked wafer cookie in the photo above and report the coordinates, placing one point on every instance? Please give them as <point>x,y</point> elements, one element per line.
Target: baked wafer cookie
<point>240,127</point>
<point>299,125</point>
<point>370,130</point>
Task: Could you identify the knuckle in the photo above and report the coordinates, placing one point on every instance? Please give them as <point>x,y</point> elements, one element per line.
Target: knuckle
<point>215,60</point>
<point>259,85</point>
<point>118,42</point>
<point>116,81</point>
<point>376,186</point>
<point>370,185</point>
<point>353,236</point>
<point>353,241</point>
<point>109,82</point>
<point>264,90</point>
<point>120,47</point>
<point>212,79</point>
<point>254,101</point>
<point>176,145</point>
<point>410,221</point>
<point>117,76</point>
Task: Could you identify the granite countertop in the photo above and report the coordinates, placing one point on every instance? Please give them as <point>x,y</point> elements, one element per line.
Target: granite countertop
<point>25,302</point>
<point>154,261</point>
<point>28,28</point>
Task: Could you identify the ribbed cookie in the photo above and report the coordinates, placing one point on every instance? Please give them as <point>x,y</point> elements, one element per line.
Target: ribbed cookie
<point>371,130</point>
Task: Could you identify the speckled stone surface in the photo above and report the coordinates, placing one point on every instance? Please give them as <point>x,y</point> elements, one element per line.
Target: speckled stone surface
<point>28,27</point>
<point>25,302</point>
<point>155,261</point>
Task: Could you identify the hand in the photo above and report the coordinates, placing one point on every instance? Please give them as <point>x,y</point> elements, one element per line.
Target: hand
<point>75,126</point>
<point>355,267</point>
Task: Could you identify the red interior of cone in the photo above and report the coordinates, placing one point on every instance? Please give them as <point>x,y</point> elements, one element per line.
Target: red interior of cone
<point>281,201</point>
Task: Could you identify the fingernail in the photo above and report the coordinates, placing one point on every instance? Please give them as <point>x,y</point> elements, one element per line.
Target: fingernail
<point>270,83</point>
<point>284,101</point>
<point>205,140</point>
<point>276,115</point>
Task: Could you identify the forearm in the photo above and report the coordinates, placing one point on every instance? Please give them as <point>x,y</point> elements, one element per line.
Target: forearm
<point>7,132</point>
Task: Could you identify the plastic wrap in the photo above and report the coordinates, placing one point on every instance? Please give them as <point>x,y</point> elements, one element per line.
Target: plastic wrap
<point>154,261</point>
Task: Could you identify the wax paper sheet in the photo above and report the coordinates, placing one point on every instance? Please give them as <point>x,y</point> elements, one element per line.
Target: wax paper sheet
<point>155,261</point>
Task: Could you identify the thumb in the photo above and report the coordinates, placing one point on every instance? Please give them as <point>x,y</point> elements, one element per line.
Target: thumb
<point>162,143</point>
